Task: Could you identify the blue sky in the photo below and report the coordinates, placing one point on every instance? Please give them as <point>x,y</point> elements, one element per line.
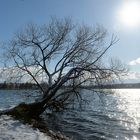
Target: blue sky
<point>14,14</point>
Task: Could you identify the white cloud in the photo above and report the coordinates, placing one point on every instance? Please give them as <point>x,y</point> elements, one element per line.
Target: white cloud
<point>131,77</point>
<point>135,62</point>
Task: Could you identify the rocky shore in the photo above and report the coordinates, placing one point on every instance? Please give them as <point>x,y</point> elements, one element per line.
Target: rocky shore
<point>42,126</point>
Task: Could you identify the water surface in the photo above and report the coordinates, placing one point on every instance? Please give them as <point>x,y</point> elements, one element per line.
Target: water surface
<point>107,116</point>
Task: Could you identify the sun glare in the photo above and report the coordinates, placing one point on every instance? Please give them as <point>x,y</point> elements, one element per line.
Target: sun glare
<point>129,13</point>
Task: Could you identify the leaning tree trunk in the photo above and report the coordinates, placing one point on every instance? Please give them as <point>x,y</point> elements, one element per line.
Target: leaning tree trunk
<point>30,113</point>
<point>26,111</point>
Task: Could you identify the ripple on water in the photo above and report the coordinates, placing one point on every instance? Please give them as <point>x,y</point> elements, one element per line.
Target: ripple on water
<point>107,116</point>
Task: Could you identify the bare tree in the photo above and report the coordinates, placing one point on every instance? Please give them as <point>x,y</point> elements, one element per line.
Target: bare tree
<point>64,55</point>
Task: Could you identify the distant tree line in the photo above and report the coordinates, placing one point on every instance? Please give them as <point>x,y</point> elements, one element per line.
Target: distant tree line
<point>113,86</point>
<point>18,85</point>
<point>28,85</point>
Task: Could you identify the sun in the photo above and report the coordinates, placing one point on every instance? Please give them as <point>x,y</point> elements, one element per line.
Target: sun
<point>129,13</point>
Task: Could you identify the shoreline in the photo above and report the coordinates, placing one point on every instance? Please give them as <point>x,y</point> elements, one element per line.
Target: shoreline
<point>14,128</point>
<point>42,126</point>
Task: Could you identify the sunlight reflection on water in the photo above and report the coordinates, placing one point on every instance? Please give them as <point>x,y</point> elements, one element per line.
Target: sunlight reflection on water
<point>129,104</point>
<point>113,116</point>
<point>107,117</point>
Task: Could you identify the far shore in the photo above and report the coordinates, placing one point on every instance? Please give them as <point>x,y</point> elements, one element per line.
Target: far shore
<point>32,86</point>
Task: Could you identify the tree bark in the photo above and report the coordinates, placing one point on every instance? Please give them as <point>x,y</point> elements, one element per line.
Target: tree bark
<point>29,113</point>
<point>26,111</point>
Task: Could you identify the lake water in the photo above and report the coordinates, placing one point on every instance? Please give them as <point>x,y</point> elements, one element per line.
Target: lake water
<point>11,129</point>
<point>106,116</point>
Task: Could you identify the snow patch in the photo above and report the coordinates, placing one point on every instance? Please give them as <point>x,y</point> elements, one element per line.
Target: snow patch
<point>11,129</point>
